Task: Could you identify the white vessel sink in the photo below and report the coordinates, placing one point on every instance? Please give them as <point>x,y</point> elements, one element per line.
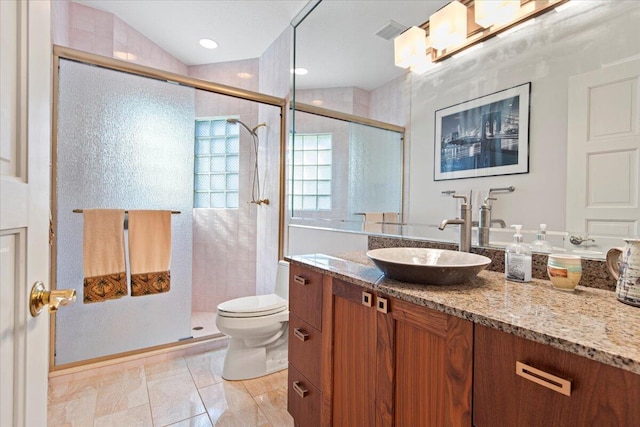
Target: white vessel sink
<point>428,266</point>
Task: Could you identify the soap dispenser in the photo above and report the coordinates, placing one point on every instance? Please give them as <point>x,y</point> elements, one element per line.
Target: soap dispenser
<point>518,258</point>
<point>540,244</point>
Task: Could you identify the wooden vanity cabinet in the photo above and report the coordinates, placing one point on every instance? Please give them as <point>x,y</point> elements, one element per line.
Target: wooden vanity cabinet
<point>357,358</point>
<point>308,347</point>
<point>397,363</point>
<point>599,394</point>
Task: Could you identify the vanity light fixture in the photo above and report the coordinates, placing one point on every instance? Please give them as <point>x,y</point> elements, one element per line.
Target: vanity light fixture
<point>495,12</point>
<point>410,47</point>
<point>448,26</point>
<point>463,24</point>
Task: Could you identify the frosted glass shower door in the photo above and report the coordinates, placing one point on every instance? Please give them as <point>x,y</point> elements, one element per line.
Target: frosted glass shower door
<point>123,142</point>
<point>375,170</point>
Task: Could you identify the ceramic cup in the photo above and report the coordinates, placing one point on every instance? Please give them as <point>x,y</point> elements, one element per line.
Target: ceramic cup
<point>564,271</point>
<point>614,256</point>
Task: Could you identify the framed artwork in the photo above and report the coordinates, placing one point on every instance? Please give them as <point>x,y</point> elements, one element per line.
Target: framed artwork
<point>485,136</point>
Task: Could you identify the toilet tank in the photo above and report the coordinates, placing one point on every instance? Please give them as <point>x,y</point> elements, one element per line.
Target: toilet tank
<point>282,280</point>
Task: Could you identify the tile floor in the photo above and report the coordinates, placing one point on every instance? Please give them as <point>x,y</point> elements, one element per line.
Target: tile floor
<point>183,391</point>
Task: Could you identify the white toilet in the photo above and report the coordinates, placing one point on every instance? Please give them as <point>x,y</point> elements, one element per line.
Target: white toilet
<point>257,327</point>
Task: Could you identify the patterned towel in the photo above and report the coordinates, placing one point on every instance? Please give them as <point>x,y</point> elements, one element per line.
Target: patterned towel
<point>150,251</point>
<point>104,265</point>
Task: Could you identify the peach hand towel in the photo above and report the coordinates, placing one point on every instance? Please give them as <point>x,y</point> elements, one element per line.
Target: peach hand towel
<point>105,275</point>
<point>373,222</point>
<point>149,251</point>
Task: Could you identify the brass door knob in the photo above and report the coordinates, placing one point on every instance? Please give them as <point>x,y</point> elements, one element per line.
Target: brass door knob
<point>41,297</point>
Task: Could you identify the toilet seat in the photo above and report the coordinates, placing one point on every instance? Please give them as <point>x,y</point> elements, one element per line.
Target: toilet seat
<point>252,306</point>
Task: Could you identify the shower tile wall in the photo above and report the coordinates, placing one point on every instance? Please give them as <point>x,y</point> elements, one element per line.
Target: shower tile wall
<point>275,63</point>
<point>91,30</point>
<point>224,248</point>
<point>351,100</point>
<point>391,102</point>
<point>224,253</point>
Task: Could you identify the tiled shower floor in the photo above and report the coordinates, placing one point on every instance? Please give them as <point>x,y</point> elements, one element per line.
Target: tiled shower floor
<point>203,323</point>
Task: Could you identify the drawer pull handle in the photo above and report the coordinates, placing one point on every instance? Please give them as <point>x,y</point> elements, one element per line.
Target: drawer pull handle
<point>302,392</point>
<point>300,280</point>
<point>300,334</point>
<point>382,305</point>
<point>544,379</point>
<point>367,299</point>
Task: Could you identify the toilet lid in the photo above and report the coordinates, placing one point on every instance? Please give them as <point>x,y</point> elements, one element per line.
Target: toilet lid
<point>252,306</point>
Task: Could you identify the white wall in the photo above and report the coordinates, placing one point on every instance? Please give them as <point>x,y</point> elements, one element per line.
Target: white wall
<point>546,54</point>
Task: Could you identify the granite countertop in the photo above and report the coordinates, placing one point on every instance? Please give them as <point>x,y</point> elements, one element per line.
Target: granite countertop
<point>588,322</point>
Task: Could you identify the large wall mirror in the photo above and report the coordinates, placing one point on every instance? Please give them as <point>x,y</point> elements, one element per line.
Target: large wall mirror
<point>347,48</point>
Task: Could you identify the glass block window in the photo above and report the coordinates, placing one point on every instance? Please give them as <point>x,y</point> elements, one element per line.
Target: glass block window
<point>310,177</point>
<point>217,164</point>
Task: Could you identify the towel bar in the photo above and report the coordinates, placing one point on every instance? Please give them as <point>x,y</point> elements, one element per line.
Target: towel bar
<point>80,211</point>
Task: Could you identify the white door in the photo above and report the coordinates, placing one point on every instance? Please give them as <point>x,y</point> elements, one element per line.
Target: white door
<point>603,154</point>
<point>25,134</point>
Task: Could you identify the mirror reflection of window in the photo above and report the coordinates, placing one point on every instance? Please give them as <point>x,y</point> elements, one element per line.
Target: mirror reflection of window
<point>311,174</point>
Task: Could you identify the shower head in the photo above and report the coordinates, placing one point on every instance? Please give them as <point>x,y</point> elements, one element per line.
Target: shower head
<point>259,125</point>
<point>236,121</point>
<point>251,131</point>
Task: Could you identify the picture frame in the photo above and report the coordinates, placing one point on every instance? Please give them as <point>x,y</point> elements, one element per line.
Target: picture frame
<point>485,136</point>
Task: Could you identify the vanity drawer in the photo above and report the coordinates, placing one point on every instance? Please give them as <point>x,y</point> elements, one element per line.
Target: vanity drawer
<point>518,382</point>
<point>305,295</point>
<point>303,400</point>
<point>304,348</point>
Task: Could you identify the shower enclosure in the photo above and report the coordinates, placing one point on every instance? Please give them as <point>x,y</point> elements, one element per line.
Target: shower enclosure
<point>130,137</point>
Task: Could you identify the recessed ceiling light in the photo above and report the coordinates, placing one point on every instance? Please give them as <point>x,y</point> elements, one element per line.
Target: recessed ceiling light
<point>208,43</point>
<point>299,71</point>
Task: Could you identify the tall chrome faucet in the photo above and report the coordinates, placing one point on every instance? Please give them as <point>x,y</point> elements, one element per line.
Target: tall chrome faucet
<point>464,221</point>
<point>484,221</point>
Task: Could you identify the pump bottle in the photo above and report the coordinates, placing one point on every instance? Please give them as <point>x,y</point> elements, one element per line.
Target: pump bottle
<point>518,258</point>
<point>540,244</point>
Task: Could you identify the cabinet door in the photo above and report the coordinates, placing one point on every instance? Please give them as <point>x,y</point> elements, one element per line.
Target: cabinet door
<point>354,357</point>
<point>433,358</point>
<point>600,395</point>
